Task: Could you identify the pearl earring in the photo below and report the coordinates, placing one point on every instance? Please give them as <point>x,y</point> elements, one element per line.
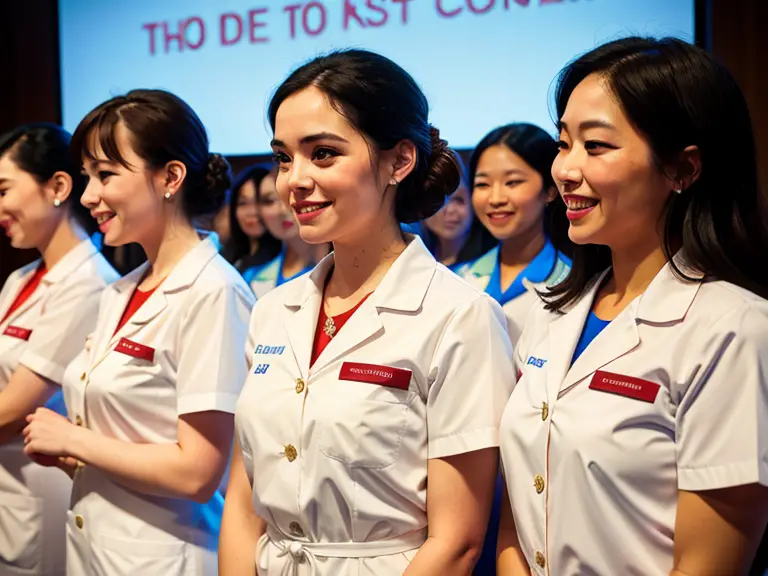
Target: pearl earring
<point>393,182</point>
<point>56,202</point>
<point>167,195</point>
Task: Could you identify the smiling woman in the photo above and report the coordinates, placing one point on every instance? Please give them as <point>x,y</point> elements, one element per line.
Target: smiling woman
<point>47,310</point>
<point>150,399</point>
<point>408,367</point>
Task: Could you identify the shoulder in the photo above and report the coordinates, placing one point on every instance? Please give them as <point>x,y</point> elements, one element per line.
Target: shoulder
<point>450,296</point>
<point>482,266</point>
<point>728,308</point>
<point>220,276</point>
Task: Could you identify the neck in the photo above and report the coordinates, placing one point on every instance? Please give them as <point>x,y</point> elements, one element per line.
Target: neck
<point>169,246</point>
<point>634,269</point>
<point>522,249</point>
<point>362,263</point>
<point>448,248</point>
<point>298,251</point>
<point>65,237</point>
<point>254,245</point>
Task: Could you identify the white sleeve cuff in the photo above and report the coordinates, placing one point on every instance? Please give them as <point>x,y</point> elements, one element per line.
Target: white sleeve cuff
<point>725,476</point>
<point>43,367</point>
<point>463,442</point>
<point>212,401</point>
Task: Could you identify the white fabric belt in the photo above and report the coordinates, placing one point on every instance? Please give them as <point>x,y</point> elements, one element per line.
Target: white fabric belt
<point>311,551</point>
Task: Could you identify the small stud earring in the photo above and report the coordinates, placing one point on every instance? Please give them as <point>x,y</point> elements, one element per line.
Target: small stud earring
<point>56,202</point>
<point>678,190</point>
<point>393,182</point>
<point>167,195</point>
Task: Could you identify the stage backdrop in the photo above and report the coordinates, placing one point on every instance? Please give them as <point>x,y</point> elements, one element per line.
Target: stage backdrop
<point>482,63</point>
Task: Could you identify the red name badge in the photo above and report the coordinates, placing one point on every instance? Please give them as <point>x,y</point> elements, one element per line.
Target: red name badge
<point>135,349</point>
<point>18,332</point>
<point>373,374</point>
<point>622,385</point>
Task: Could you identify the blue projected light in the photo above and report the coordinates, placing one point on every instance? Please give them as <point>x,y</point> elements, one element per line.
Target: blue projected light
<point>482,63</point>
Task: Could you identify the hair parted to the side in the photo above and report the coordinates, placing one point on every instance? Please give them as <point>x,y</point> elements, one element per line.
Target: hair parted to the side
<point>162,128</point>
<point>677,95</point>
<point>41,150</point>
<point>239,244</point>
<point>384,103</point>
<point>538,149</point>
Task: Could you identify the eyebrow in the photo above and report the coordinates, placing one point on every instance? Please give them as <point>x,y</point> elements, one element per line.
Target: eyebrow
<point>312,138</point>
<point>513,172</point>
<point>587,124</point>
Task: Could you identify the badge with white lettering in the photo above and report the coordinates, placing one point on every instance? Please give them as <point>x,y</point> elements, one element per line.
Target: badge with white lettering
<point>629,386</point>
<point>374,374</point>
<point>131,348</point>
<point>18,332</point>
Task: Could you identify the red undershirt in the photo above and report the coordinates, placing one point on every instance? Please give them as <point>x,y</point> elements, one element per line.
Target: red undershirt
<point>137,299</point>
<point>321,338</point>
<point>26,292</point>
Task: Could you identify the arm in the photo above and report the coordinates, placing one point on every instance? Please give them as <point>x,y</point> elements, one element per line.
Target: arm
<point>191,468</point>
<point>240,527</point>
<point>510,560</point>
<point>25,392</point>
<point>459,498</point>
<point>718,531</point>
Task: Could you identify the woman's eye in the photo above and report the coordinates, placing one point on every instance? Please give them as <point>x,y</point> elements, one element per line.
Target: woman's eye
<point>322,154</point>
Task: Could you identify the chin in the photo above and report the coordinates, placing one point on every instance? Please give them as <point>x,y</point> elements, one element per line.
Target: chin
<point>314,235</point>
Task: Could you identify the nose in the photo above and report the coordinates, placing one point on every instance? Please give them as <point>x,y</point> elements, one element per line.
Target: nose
<point>90,198</point>
<point>566,169</point>
<point>299,182</point>
<point>498,196</point>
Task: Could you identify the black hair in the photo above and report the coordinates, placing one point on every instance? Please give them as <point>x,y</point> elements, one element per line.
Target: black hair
<point>677,95</point>
<point>162,128</point>
<point>41,150</point>
<point>479,240</point>
<point>384,103</point>
<point>239,245</point>
<point>538,149</point>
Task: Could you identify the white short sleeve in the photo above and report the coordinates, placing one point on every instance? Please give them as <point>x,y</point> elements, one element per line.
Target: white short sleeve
<point>722,420</point>
<point>212,365</point>
<point>474,377</point>
<point>59,334</point>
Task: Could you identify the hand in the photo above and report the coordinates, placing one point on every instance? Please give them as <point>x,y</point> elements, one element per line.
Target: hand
<point>48,434</point>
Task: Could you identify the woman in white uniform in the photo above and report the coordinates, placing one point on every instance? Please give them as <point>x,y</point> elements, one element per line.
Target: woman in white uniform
<point>151,400</point>
<point>514,197</point>
<point>380,369</point>
<point>46,311</point>
<point>635,441</point>
<point>297,257</point>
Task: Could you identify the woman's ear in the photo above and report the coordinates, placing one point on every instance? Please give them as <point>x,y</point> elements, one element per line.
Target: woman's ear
<point>58,188</point>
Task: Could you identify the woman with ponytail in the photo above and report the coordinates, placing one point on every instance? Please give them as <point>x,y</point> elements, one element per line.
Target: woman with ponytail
<point>367,429</point>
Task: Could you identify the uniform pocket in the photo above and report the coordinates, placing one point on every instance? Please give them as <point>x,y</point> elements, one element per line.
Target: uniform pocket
<point>364,432</point>
<point>21,522</point>
<point>113,556</point>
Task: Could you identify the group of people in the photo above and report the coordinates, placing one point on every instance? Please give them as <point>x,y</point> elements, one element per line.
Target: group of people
<point>564,372</point>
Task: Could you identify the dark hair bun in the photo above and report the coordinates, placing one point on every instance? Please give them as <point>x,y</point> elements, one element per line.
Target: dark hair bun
<point>423,192</point>
<point>218,179</point>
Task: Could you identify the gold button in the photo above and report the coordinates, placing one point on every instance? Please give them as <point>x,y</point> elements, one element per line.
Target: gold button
<point>538,483</point>
<point>83,376</point>
<point>296,529</point>
<point>540,560</point>
<point>299,385</point>
<point>544,411</point>
<point>79,522</point>
<point>78,420</point>
<point>290,452</point>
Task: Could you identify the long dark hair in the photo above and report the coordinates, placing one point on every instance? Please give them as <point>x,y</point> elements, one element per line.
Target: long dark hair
<point>676,95</point>
<point>478,241</point>
<point>384,103</point>
<point>239,245</point>
<point>163,128</point>
<point>41,150</point>
<point>538,149</point>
